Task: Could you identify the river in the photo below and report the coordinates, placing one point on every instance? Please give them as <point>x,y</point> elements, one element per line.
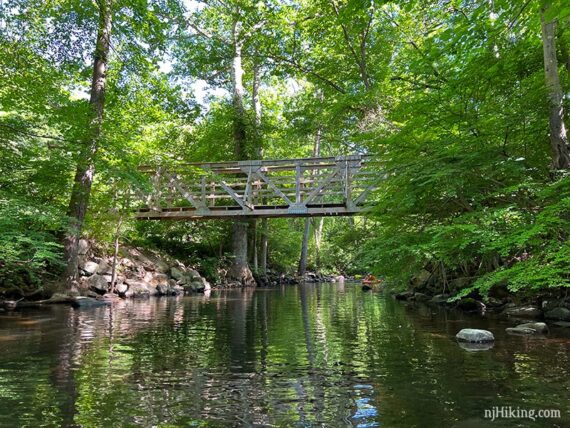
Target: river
<point>314,355</point>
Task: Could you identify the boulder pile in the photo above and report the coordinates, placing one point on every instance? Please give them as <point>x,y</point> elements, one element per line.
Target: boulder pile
<point>138,273</point>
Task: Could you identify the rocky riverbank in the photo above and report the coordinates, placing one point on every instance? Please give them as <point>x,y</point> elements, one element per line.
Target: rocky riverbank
<point>138,273</point>
<point>551,307</point>
<point>141,273</point>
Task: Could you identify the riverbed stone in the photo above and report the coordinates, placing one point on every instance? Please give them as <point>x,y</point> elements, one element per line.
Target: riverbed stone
<point>98,284</point>
<point>87,302</point>
<point>474,335</point>
<point>529,328</point>
<point>560,314</point>
<point>89,267</point>
<point>539,327</point>
<point>527,311</point>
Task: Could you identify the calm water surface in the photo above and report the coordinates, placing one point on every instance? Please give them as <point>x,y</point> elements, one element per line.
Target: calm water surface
<point>316,355</point>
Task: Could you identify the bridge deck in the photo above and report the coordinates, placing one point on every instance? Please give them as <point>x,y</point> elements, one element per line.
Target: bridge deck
<point>333,186</point>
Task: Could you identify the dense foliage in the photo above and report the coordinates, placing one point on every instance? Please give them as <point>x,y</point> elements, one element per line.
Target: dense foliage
<point>450,96</point>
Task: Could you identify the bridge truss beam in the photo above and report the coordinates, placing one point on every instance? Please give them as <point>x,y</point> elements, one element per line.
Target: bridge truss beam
<point>308,187</point>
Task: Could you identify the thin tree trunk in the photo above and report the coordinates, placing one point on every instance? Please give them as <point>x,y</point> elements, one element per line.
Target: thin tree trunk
<point>318,241</point>
<point>116,254</point>
<point>85,169</point>
<point>239,270</point>
<point>558,135</point>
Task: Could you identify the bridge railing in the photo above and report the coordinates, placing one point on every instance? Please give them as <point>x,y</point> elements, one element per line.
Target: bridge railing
<point>289,187</point>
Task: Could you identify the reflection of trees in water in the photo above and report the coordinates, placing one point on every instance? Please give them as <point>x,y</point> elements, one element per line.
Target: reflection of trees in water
<point>301,355</point>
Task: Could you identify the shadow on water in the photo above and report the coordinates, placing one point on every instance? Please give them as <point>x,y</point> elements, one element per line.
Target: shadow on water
<point>313,355</point>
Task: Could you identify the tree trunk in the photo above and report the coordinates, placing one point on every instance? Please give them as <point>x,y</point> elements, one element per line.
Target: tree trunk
<point>558,135</point>
<point>264,246</point>
<point>318,241</point>
<point>85,169</point>
<point>304,248</point>
<point>305,244</point>
<point>258,145</point>
<point>239,270</point>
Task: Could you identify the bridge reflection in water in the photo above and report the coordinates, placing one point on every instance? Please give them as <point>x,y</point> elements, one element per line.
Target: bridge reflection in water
<point>314,355</point>
<point>328,186</point>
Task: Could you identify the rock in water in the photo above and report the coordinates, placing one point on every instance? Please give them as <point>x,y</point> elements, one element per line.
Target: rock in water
<point>529,328</point>
<point>473,347</point>
<point>528,311</point>
<point>121,288</point>
<point>88,302</point>
<point>473,335</point>
<point>560,314</point>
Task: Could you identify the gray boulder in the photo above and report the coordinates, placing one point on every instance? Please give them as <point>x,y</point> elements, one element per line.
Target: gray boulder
<point>176,273</point>
<point>539,327</point>
<point>121,288</point>
<point>88,302</point>
<point>520,331</point>
<point>177,290</point>
<point>82,247</point>
<point>206,284</point>
<point>89,268</point>
<point>560,314</point>
<point>139,289</point>
<point>473,335</point>
<point>194,286</point>
<point>440,299</point>
<point>104,268</point>
<point>527,311</point>
<point>159,279</point>
<point>98,284</point>
<point>163,290</point>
